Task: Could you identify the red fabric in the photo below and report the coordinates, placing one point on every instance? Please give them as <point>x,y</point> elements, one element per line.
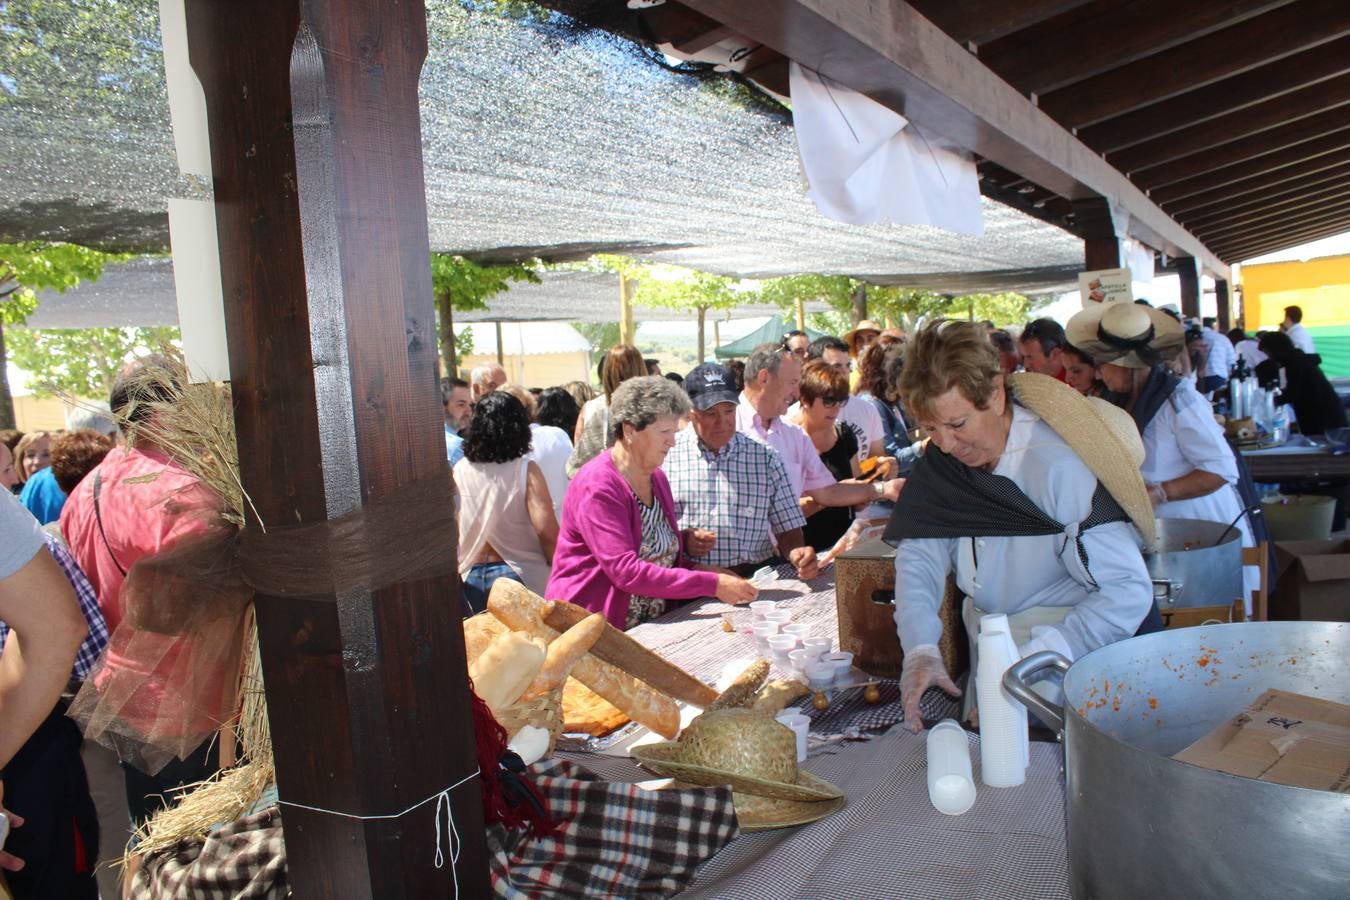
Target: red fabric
<point>491,739</point>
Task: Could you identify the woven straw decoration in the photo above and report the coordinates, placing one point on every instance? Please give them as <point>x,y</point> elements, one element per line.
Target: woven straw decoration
<point>544,711</point>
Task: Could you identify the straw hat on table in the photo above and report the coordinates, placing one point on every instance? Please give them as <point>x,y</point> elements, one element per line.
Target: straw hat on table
<point>754,754</point>
<point>1103,436</point>
<point>1130,335</point>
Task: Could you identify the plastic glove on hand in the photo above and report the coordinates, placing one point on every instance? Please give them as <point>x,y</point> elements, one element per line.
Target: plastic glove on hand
<point>921,670</point>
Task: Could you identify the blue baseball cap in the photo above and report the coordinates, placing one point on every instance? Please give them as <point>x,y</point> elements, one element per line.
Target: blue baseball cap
<point>710,384</point>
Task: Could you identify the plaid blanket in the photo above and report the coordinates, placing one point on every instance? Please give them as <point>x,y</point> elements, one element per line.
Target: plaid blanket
<point>616,840</point>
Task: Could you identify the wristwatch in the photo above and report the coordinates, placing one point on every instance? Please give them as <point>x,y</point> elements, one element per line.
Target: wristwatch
<point>879,488</point>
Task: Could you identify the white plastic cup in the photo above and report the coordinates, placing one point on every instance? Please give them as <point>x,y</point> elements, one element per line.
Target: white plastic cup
<point>842,663</point>
<point>951,785</point>
<point>801,726</point>
<point>782,645</point>
<point>800,630</point>
<point>779,616</point>
<point>762,632</point>
<point>800,659</point>
<point>817,646</point>
<point>819,675</point>
<point>758,608</point>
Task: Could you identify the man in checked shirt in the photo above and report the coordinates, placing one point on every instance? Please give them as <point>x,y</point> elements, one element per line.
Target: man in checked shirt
<point>732,492</point>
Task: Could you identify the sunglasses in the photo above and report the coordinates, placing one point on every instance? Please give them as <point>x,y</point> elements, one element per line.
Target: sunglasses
<point>832,402</point>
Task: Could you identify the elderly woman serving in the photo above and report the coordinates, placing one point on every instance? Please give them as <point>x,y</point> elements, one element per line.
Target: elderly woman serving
<point>620,550</point>
<point>1029,493</point>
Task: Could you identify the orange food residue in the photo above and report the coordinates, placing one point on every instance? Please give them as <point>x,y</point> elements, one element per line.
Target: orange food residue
<point>1202,661</point>
<point>1152,702</point>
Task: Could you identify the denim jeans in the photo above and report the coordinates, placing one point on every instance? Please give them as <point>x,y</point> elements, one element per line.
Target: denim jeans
<point>479,582</point>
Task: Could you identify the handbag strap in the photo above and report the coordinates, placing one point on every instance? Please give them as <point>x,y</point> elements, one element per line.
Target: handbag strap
<point>98,517</point>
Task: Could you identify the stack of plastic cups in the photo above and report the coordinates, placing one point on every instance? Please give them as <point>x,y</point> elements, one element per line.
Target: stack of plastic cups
<point>1004,746</point>
<point>951,786</point>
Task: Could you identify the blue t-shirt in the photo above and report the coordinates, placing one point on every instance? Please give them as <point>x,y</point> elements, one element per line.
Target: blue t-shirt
<point>454,447</point>
<point>43,497</point>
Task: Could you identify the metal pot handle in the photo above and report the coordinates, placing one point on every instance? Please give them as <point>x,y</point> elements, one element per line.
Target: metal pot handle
<point>1017,681</point>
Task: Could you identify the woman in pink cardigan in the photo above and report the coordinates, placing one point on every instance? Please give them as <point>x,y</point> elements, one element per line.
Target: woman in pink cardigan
<point>620,550</point>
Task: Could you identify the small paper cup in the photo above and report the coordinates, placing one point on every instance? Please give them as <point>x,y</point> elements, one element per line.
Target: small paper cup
<point>778,616</point>
<point>841,662</point>
<point>799,630</point>
<point>818,646</point>
<point>819,675</point>
<point>782,645</point>
<point>758,608</point>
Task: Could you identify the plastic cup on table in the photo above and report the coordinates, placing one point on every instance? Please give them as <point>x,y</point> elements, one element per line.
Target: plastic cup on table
<point>951,785</point>
<point>840,662</point>
<point>800,725</point>
<point>759,608</point>
<point>819,675</point>
<point>800,630</point>
<point>800,659</point>
<point>779,617</point>
<point>818,646</point>
<point>762,632</point>
<point>782,645</point>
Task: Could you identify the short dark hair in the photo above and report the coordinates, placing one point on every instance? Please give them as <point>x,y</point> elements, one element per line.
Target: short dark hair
<point>737,369</point>
<point>1208,321</point>
<point>675,377</point>
<point>821,381</point>
<point>1081,355</point>
<point>1236,335</point>
<point>558,408</point>
<point>448,386</point>
<point>499,430</point>
<point>74,455</point>
<point>140,386</point>
<point>796,332</point>
<point>823,343</point>
<point>1295,314</point>
<point>1002,341</point>
<point>1046,332</point>
<point>1277,345</point>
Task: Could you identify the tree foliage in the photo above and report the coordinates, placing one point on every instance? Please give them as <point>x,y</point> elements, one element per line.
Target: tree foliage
<point>26,268</point>
<point>82,362</point>
<point>464,285</point>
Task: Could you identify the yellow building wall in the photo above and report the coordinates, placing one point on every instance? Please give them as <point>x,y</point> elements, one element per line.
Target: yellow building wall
<point>39,413</point>
<point>1321,287</point>
<point>541,370</point>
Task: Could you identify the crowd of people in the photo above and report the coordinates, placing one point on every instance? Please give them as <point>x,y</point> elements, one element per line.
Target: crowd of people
<point>1028,465</point>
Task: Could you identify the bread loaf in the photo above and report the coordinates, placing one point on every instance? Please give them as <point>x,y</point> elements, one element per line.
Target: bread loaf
<point>563,654</point>
<point>479,631</point>
<point>518,608</point>
<point>774,697</point>
<point>506,668</point>
<point>743,690</point>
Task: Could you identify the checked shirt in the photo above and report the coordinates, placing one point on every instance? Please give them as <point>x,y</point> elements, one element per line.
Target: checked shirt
<point>97,640</point>
<point>741,492</point>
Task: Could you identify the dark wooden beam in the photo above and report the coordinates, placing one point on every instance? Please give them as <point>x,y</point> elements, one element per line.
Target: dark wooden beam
<point>980,21</point>
<point>1222,202</point>
<point>1221,302</point>
<point>1229,95</point>
<point>1264,164</point>
<point>1189,275</point>
<point>1241,250</point>
<point>1264,209</point>
<point>886,50</point>
<point>1307,136</point>
<point>1317,100</point>
<point>321,217</point>
<point>1331,168</point>
<point>1101,245</point>
<point>1270,220</point>
<point>1050,55</point>
<point>1222,54</point>
<point>1240,231</point>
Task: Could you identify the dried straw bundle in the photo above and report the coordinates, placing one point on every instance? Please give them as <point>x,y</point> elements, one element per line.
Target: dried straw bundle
<point>194,425</point>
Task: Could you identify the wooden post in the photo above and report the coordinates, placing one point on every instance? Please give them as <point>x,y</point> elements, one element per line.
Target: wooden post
<point>501,351</point>
<point>702,318</point>
<point>717,335</point>
<point>1221,301</point>
<point>1101,246</point>
<point>321,214</point>
<point>859,304</point>
<point>627,330</point>
<point>446,324</point>
<point>1189,273</point>
<point>801,314</point>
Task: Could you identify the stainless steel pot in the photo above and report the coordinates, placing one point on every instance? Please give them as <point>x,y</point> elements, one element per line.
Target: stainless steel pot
<point>1141,824</point>
<point>1191,568</point>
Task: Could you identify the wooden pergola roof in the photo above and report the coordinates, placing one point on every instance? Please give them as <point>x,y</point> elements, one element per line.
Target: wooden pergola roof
<point>1225,120</point>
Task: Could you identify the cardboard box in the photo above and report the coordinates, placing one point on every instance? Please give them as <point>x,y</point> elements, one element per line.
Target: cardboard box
<point>1312,581</point>
<point>864,594</point>
<point>1283,738</point>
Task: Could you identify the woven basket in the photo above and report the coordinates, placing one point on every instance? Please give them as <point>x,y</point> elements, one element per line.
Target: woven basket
<point>544,711</point>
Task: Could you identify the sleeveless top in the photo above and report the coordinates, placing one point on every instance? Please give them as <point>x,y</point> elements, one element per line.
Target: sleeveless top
<point>492,509</point>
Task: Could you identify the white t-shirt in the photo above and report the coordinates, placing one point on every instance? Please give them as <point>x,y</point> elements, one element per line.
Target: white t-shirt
<point>20,535</point>
<point>860,415</point>
<point>550,449</point>
<point>1299,335</point>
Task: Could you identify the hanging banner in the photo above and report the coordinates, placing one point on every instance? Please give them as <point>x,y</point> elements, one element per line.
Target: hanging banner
<point>1105,286</point>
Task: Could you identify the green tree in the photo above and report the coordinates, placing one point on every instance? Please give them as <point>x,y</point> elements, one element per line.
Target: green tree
<point>26,268</point>
<point>600,335</point>
<point>82,362</point>
<point>836,291</point>
<point>672,287</point>
<point>464,285</point>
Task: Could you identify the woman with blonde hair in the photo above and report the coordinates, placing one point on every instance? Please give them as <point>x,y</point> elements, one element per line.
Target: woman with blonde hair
<point>621,363</point>
<point>1029,494</point>
<point>32,454</point>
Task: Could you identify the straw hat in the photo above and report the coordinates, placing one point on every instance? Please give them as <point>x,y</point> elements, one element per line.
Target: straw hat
<point>1103,436</point>
<point>1126,334</point>
<point>757,757</point>
<point>852,337</point>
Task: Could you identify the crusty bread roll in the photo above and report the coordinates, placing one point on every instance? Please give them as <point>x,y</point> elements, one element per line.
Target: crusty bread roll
<point>479,631</point>
<point>564,653</point>
<point>505,669</point>
<point>522,610</point>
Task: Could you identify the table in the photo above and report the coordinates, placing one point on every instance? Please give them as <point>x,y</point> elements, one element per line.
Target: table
<point>888,841</point>
<point>1279,465</point>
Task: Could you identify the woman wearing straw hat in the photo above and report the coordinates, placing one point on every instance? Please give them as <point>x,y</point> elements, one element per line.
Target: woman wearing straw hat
<point>1189,467</point>
<point>1029,493</point>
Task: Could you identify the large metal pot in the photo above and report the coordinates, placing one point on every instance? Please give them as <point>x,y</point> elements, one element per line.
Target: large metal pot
<point>1191,567</point>
<point>1141,824</point>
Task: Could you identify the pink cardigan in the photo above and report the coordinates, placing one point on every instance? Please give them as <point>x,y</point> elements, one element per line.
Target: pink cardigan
<point>596,562</point>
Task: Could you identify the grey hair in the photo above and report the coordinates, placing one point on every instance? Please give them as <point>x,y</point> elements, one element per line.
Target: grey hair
<point>641,401</point>
<point>94,415</point>
<point>764,358</point>
<point>483,371</point>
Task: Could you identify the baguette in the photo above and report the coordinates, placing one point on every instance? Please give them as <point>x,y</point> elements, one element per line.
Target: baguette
<point>743,690</point>
<point>563,654</point>
<point>618,648</point>
<point>506,668</point>
<point>774,697</point>
<point>518,608</point>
